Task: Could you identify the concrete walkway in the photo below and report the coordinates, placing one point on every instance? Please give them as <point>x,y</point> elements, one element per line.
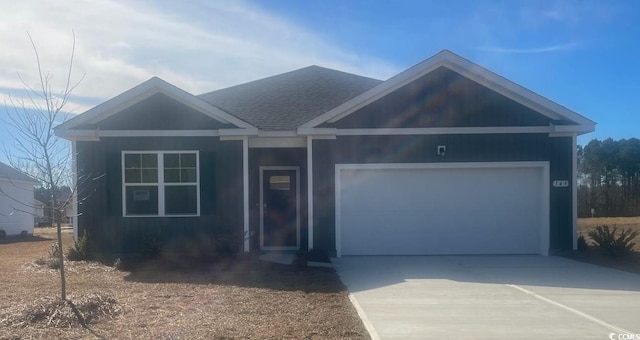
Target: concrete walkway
<point>491,297</point>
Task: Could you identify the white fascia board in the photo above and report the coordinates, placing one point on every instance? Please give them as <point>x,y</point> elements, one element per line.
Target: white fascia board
<point>238,132</point>
<point>466,68</point>
<point>579,129</point>
<point>444,131</point>
<point>277,142</point>
<point>141,92</point>
<point>302,131</point>
<point>553,131</point>
<point>279,133</point>
<point>76,134</point>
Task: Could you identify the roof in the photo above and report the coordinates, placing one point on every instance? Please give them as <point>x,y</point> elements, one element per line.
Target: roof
<point>304,99</point>
<point>11,174</point>
<point>285,101</point>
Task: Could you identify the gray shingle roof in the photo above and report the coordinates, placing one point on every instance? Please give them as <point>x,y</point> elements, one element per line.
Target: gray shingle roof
<point>285,101</point>
<point>9,173</point>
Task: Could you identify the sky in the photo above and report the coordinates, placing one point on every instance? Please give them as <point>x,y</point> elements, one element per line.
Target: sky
<point>583,55</point>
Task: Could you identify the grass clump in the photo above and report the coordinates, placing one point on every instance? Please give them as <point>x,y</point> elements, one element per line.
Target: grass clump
<point>80,251</point>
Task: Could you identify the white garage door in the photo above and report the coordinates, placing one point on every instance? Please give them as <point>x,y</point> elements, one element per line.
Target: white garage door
<point>431,209</point>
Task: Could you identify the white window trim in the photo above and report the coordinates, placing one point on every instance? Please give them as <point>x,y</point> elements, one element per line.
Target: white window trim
<point>160,183</point>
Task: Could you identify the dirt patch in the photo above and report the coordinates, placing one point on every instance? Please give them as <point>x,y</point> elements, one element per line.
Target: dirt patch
<point>237,299</point>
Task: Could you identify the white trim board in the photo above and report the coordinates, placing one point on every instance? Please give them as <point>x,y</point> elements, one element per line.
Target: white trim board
<point>277,142</point>
<point>542,165</point>
<point>553,130</point>
<point>574,190</point>
<point>297,170</point>
<point>310,192</point>
<point>74,178</point>
<point>245,194</point>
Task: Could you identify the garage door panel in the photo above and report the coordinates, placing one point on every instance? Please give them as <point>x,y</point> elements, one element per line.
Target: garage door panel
<point>440,211</point>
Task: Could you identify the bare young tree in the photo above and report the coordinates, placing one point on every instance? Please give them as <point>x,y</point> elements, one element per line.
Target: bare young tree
<point>36,150</point>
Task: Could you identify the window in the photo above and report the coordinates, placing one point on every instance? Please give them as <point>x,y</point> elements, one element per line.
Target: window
<point>280,183</point>
<point>160,183</point>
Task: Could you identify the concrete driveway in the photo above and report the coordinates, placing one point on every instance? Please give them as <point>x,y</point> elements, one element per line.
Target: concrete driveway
<point>491,297</point>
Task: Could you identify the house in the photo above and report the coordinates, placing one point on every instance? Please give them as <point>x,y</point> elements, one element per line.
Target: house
<point>43,211</point>
<point>443,158</point>
<point>16,201</point>
<point>39,218</point>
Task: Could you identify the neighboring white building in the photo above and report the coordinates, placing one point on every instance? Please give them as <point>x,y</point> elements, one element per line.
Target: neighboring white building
<point>16,201</point>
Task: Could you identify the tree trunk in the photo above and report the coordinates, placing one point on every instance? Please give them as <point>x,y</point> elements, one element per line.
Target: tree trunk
<point>63,290</point>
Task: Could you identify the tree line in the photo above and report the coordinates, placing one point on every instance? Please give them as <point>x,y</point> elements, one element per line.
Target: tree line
<point>609,178</point>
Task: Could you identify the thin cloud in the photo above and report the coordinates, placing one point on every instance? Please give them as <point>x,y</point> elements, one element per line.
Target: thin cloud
<point>530,50</point>
<point>201,46</point>
<point>20,103</point>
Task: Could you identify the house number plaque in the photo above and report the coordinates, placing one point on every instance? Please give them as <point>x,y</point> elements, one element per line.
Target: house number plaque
<point>560,183</point>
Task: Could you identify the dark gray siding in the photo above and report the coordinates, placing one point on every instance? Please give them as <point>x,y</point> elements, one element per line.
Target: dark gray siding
<point>100,194</point>
<point>422,149</point>
<point>442,98</point>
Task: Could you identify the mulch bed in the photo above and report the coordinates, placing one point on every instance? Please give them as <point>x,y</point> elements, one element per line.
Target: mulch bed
<point>170,299</point>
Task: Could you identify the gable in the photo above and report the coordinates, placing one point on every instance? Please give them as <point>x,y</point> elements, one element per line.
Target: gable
<point>158,112</point>
<point>442,98</point>
<point>154,105</point>
<point>561,119</point>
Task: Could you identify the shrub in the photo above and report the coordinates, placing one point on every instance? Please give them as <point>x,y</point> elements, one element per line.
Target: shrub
<point>152,244</point>
<point>53,263</point>
<point>40,261</point>
<point>612,244</point>
<point>80,250</point>
<point>54,251</point>
<point>117,264</point>
<point>3,233</point>
<point>582,242</point>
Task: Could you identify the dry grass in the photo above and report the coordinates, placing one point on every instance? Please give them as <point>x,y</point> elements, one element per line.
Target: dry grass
<point>585,225</point>
<point>629,263</point>
<point>153,300</point>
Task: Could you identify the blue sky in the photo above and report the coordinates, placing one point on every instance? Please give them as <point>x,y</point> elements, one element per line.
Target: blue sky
<point>581,54</point>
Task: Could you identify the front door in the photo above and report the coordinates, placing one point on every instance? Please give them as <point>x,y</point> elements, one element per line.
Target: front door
<point>279,208</point>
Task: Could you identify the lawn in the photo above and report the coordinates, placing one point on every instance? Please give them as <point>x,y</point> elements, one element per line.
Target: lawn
<point>241,299</point>
<point>587,224</point>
